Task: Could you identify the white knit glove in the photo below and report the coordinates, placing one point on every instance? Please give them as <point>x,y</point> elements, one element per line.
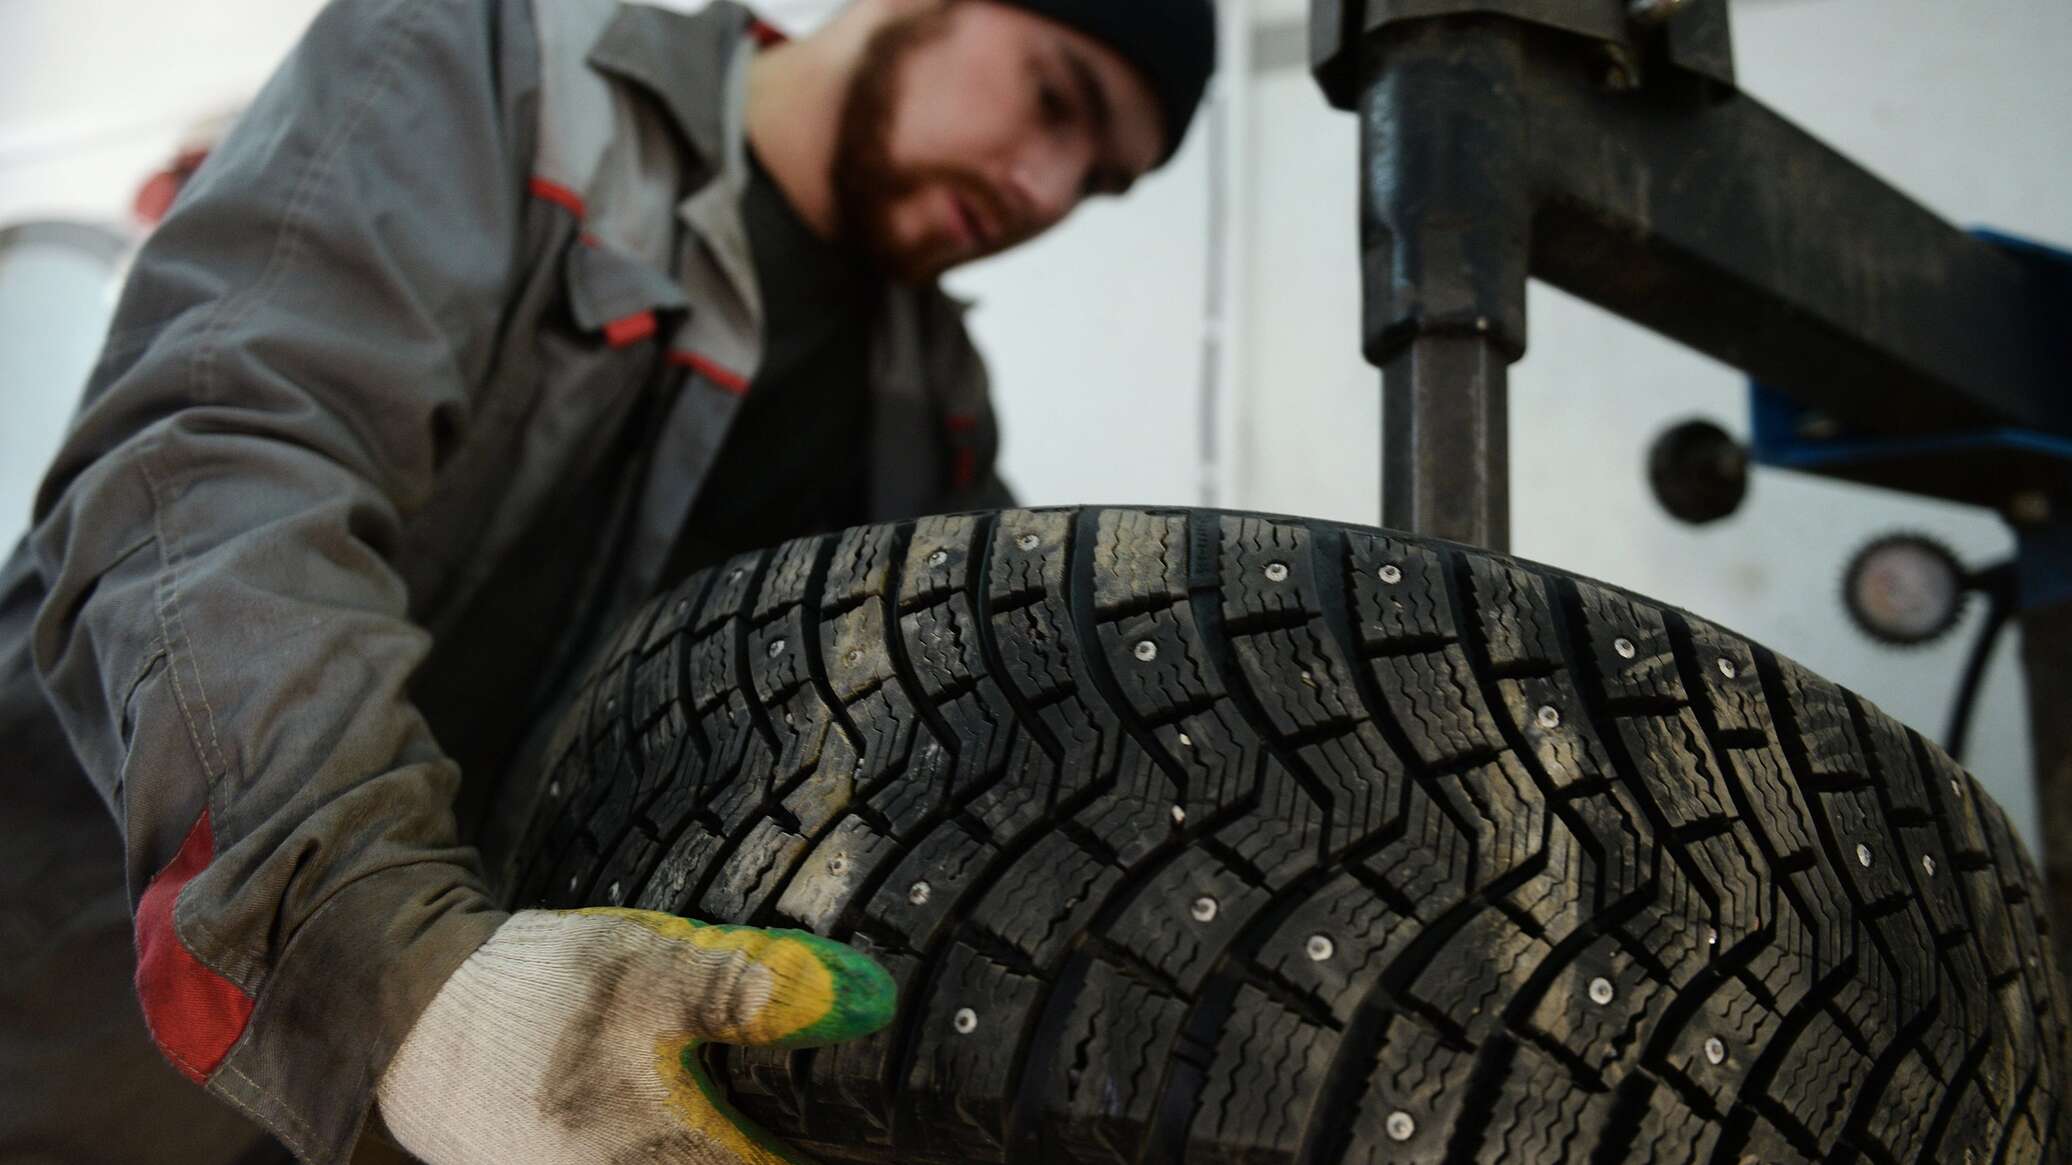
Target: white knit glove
<point>570,1037</point>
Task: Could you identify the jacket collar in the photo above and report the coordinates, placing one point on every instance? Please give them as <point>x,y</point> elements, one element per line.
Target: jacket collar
<point>683,61</point>
<point>690,64</point>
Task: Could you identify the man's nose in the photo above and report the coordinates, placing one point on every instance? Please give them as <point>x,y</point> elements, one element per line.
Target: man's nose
<point>1050,184</point>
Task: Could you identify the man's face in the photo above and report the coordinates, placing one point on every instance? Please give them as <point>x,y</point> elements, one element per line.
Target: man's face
<point>976,126</point>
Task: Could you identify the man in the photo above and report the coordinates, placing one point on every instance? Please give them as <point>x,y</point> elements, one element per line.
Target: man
<point>489,318</point>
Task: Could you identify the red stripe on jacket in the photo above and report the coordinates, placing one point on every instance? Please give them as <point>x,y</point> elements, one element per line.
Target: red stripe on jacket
<point>630,330</point>
<point>557,194</point>
<point>732,382</point>
<point>194,1014</point>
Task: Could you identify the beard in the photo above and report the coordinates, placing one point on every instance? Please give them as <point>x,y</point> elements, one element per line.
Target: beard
<point>868,184</point>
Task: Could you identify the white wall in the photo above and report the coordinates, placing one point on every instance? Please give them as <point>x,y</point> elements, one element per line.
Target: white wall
<point>94,95</point>
<point>1096,334</point>
<point>1961,104</point>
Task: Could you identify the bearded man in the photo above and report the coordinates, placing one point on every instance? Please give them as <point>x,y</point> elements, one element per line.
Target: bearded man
<point>490,318</point>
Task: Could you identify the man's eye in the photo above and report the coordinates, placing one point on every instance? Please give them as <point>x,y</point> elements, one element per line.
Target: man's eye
<point>1104,181</point>
<point>1053,105</point>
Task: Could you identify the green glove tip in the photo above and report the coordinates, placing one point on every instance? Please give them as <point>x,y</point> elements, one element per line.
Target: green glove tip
<point>865,996</point>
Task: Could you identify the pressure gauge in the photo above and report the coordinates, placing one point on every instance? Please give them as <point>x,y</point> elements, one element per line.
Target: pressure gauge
<point>1905,590</point>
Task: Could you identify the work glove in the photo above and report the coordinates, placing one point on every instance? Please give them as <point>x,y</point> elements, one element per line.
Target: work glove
<point>571,1037</point>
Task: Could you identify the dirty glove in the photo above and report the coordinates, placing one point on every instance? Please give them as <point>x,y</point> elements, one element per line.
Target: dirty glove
<point>571,1037</point>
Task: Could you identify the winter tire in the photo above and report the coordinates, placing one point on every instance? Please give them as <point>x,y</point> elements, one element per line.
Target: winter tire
<point>1223,838</point>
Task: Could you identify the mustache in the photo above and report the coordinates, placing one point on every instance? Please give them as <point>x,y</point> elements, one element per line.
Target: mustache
<point>1005,218</point>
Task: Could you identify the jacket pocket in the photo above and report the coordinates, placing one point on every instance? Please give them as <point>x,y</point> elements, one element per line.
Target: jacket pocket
<point>615,296</point>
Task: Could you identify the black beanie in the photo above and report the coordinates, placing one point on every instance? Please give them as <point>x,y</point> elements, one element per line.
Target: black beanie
<point>1171,42</point>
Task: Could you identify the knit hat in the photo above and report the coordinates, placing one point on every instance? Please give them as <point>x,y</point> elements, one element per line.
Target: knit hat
<point>1171,42</point>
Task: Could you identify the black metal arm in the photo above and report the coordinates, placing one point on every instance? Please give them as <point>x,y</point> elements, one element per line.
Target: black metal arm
<point>1562,139</point>
<point>1602,145</point>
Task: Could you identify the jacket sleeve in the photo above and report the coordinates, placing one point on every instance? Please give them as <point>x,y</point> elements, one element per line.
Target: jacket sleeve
<point>225,637</point>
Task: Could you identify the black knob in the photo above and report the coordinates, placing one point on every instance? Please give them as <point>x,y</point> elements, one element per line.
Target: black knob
<point>1698,471</point>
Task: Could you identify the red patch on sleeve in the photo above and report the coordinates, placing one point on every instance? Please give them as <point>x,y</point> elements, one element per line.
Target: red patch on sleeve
<point>195,1014</point>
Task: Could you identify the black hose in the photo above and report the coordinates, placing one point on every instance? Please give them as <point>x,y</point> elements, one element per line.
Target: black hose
<point>1997,583</point>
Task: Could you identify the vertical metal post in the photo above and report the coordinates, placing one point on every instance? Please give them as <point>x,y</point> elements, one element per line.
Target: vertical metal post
<point>1445,451</point>
<point>1445,214</point>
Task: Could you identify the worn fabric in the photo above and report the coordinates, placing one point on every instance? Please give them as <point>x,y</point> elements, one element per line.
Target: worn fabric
<point>451,253</point>
<point>73,1048</point>
<point>572,1037</point>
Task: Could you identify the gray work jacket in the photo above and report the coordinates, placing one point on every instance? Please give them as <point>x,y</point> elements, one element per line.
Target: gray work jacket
<point>454,252</point>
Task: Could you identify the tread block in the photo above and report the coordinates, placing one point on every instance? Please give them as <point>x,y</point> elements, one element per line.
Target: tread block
<point>1503,812</point>
<point>1220,757</point>
<point>1434,695</point>
<point>1182,919</point>
<point>1743,1023</point>
<point>791,567</point>
<point>942,647</point>
<point>961,1079</point>
<point>861,567</point>
<point>1263,1085</point>
<point>929,882</point>
<point>1672,1133</point>
<point>939,560</point>
<point>1298,677</point>
<point>1284,837</point>
<point>1516,617</point>
<point>1161,664</point>
<point>1541,1113</point>
<point>1422,1076</point>
<point>1362,937</point>
<point>1046,897</point>
<point>1429,864</point>
<point>1782,816</point>
<point>833,874</point>
<point>1399,594</point>
<point>1599,1033</point>
<point>1102,1092</point>
<point>1569,752</point>
<point>1140,560</point>
<point>1267,573</point>
<point>1900,1118</point>
<point>1651,676</point>
<point>1691,788</point>
<point>1363,779</point>
<point>1818,1081</point>
<point>1134,815</point>
<point>1728,682</point>
<point>753,873</point>
<point>1030,552</point>
<point>1826,734</point>
<point>733,590</point>
<point>1480,969</point>
<point>855,654</point>
<point>1019,800</point>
